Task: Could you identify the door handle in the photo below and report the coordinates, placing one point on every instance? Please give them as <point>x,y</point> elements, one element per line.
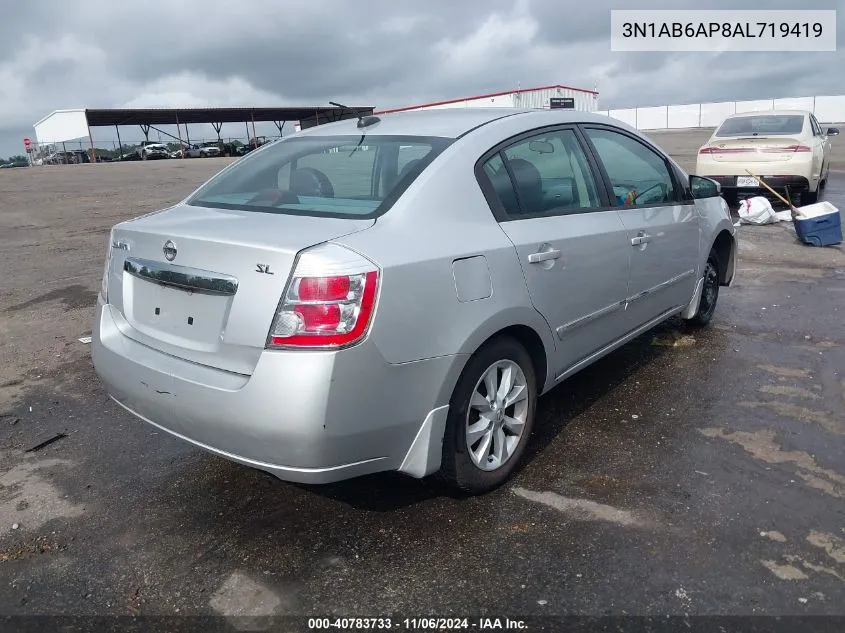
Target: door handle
<point>642,238</point>
<point>536,258</point>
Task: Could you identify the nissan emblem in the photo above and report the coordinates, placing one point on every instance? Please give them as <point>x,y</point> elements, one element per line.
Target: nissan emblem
<point>169,250</point>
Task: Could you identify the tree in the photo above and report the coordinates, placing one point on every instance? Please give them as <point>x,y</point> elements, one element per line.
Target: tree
<point>18,159</point>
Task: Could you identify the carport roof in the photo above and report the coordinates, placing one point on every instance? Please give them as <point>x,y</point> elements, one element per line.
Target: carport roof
<point>172,116</point>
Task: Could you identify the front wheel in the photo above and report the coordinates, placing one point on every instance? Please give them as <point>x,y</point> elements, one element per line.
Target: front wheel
<point>491,414</point>
<point>709,293</point>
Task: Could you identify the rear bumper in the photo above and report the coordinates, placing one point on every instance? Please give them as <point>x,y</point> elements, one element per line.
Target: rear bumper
<point>310,417</point>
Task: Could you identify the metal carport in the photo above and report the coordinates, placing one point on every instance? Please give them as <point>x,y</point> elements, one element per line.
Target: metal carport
<point>67,125</point>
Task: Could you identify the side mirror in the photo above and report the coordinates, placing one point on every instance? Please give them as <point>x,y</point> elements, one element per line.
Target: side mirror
<point>702,187</point>
<point>832,131</point>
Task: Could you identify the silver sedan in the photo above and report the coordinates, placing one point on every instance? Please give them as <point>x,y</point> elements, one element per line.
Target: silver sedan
<point>396,292</point>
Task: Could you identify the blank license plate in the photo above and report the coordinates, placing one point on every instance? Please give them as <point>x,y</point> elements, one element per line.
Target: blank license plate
<point>747,181</point>
<point>174,315</point>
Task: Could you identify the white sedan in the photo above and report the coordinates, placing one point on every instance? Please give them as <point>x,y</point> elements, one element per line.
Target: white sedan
<point>786,148</point>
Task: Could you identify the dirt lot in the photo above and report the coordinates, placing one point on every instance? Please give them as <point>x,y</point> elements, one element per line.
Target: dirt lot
<point>701,477</point>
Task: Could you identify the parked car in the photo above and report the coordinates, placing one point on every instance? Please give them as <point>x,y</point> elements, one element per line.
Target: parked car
<point>153,151</point>
<point>192,151</point>
<point>209,150</point>
<point>233,148</point>
<point>69,157</point>
<point>786,148</point>
<point>323,314</point>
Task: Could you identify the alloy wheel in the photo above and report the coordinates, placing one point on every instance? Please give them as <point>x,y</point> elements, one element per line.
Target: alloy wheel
<point>496,415</point>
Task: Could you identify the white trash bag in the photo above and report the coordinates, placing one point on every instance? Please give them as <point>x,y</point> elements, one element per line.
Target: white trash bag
<point>757,210</point>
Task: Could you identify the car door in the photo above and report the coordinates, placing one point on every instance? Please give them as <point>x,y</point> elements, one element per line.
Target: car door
<point>662,223</point>
<point>572,246</point>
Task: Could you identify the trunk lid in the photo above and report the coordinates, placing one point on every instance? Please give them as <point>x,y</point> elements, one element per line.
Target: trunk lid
<point>753,149</point>
<point>213,301</point>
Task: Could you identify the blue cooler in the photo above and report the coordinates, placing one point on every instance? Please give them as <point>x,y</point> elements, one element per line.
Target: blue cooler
<point>821,230</point>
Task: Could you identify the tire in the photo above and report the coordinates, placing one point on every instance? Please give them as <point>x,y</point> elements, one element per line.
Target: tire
<point>458,466</point>
<point>709,293</point>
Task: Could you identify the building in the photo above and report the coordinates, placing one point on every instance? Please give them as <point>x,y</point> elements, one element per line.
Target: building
<point>544,97</point>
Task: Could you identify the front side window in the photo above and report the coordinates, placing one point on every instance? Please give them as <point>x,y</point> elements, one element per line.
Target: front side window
<point>322,176</point>
<point>639,175</point>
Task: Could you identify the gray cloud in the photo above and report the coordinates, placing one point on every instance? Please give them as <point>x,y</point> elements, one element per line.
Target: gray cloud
<point>101,53</point>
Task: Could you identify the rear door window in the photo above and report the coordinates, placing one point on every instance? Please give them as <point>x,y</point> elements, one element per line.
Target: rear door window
<point>545,174</point>
<point>347,176</point>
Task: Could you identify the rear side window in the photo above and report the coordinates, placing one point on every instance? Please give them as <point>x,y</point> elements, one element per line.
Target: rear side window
<point>497,173</point>
<point>546,174</point>
<point>348,176</point>
<point>762,125</point>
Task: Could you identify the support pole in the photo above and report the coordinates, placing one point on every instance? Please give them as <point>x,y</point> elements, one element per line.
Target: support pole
<point>119,143</point>
<point>217,127</point>
<point>179,135</point>
<point>64,153</point>
<point>246,125</point>
<point>160,132</point>
<point>93,151</point>
<point>252,115</point>
<point>146,130</point>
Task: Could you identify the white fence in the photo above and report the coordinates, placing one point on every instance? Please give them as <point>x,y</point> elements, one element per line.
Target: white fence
<point>828,109</point>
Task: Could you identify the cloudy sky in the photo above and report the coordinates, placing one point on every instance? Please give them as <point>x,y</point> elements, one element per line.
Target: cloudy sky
<point>159,53</point>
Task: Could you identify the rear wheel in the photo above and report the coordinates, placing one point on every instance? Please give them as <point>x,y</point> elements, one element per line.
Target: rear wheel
<point>709,293</point>
<point>491,414</point>
<point>810,197</point>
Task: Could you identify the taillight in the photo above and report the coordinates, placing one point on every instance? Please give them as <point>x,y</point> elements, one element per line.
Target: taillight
<point>328,303</point>
<point>787,149</point>
<point>726,150</point>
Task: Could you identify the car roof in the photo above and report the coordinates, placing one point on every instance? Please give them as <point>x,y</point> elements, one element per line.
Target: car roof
<point>444,122</point>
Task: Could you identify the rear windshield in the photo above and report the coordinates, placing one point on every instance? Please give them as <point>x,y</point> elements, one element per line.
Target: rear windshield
<point>762,125</point>
<point>339,176</point>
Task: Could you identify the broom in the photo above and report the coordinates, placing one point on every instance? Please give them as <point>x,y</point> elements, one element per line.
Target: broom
<point>788,203</point>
